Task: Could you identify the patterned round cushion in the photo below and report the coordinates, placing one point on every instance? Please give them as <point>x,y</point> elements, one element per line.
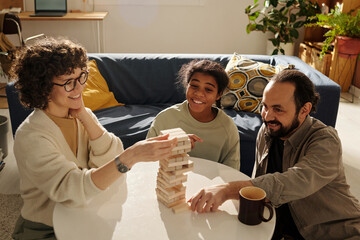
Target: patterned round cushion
<point>248,79</point>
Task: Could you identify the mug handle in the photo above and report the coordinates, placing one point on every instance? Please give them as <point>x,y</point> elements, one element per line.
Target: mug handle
<point>268,206</point>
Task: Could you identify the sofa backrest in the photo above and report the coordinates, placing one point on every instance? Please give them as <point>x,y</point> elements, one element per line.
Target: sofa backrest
<point>151,79</point>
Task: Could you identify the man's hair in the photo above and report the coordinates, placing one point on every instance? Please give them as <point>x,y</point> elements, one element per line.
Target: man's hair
<point>36,66</point>
<point>304,88</point>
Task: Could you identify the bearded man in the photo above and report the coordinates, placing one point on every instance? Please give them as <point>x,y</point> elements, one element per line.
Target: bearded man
<point>298,164</point>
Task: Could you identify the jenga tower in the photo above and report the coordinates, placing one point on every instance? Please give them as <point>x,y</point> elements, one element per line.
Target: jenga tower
<point>171,176</point>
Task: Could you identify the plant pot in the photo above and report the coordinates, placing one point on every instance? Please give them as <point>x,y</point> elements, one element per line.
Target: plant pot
<point>348,47</point>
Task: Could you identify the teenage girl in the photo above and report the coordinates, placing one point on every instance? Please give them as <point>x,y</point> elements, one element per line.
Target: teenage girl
<point>214,131</point>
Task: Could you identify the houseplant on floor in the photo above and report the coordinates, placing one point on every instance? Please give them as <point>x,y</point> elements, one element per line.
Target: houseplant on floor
<point>343,26</point>
<point>283,18</point>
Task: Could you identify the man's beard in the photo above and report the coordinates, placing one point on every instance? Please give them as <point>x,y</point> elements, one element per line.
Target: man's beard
<point>282,132</point>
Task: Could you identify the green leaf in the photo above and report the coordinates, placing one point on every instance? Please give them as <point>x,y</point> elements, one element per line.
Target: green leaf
<point>274,42</point>
<point>294,33</point>
<point>272,29</point>
<point>254,16</point>
<point>250,27</point>
<point>292,17</point>
<point>274,2</point>
<point>289,3</point>
<point>260,27</point>
<point>299,24</point>
<point>266,3</point>
<point>282,51</point>
<point>275,52</point>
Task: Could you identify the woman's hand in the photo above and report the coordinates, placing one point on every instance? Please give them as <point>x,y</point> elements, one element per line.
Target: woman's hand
<point>91,126</point>
<point>193,139</point>
<point>149,150</point>
<point>78,113</point>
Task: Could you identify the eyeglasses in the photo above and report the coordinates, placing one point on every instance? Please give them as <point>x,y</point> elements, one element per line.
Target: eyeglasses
<point>71,84</point>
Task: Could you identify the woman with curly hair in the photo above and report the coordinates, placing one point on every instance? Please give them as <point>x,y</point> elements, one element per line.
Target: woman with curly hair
<point>63,153</point>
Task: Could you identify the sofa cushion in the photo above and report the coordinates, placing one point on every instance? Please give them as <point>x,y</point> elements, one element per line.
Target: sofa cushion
<point>96,94</point>
<point>248,78</point>
<point>129,122</point>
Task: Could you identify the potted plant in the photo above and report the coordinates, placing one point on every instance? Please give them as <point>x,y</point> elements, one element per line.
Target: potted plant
<point>343,26</point>
<point>283,18</point>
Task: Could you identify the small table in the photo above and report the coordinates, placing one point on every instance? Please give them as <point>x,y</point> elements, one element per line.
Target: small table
<point>78,16</point>
<point>129,209</point>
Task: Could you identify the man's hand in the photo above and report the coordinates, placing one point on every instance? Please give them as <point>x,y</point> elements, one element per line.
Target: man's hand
<point>209,199</point>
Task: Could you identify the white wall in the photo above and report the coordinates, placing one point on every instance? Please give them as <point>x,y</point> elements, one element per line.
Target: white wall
<point>159,26</point>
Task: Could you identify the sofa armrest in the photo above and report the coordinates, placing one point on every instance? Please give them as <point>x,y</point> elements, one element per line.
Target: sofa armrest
<point>18,112</point>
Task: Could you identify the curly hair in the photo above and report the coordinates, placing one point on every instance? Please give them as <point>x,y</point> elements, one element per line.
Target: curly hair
<point>209,67</point>
<point>37,65</point>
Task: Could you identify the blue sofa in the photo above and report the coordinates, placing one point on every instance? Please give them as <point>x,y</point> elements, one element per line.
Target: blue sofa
<point>146,83</point>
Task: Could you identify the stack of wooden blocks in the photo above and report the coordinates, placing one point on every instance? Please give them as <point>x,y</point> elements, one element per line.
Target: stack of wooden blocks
<point>171,176</point>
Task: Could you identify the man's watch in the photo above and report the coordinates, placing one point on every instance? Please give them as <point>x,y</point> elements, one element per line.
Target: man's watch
<point>120,166</point>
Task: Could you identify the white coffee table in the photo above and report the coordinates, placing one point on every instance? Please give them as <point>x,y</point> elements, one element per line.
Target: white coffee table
<point>129,210</point>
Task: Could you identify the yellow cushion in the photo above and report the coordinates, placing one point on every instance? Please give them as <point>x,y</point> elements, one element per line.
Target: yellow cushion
<point>248,79</point>
<point>96,94</point>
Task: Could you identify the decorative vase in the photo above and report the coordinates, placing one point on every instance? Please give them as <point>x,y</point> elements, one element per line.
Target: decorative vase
<point>348,47</point>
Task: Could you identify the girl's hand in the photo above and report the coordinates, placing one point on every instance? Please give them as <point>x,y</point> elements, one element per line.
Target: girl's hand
<point>193,139</point>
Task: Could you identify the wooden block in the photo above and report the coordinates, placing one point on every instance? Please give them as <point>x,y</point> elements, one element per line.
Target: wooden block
<point>184,168</point>
<point>167,176</point>
<point>171,190</point>
<point>182,157</point>
<point>170,203</point>
<point>166,168</point>
<point>171,193</point>
<point>181,207</point>
<point>172,130</point>
<point>186,147</point>
<point>176,132</point>
<point>170,178</point>
<point>184,160</point>
<point>170,159</point>
<point>169,184</point>
<point>165,195</point>
<point>179,161</point>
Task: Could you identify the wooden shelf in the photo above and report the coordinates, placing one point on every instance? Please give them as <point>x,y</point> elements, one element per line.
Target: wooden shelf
<point>341,70</point>
<point>91,16</point>
<point>309,52</point>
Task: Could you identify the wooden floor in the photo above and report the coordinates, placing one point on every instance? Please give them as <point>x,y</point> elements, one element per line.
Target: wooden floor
<point>3,100</point>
